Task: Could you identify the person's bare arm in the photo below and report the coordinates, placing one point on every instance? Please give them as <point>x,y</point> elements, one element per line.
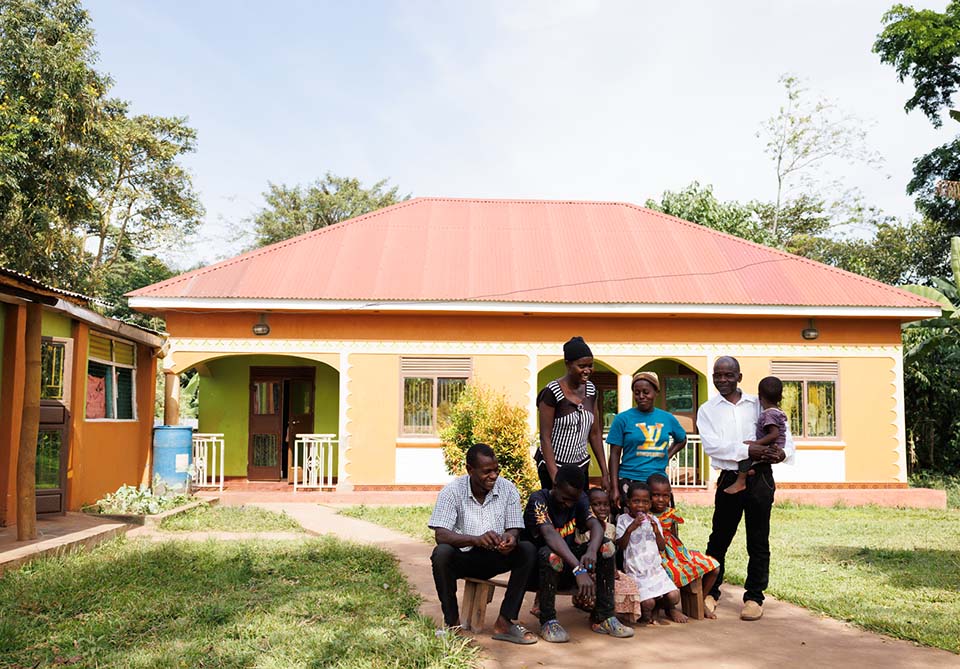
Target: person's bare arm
<point>596,441</point>
<point>616,452</point>
<point>547,413</point>
<point>676,447</point>
<point>556,543</point>
<point>624,540</point>
<point>661,544</point>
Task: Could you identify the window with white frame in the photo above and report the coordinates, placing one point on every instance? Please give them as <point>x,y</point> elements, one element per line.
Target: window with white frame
<point>430,387</point>
<point>111,378</point>
<point>809,397</point>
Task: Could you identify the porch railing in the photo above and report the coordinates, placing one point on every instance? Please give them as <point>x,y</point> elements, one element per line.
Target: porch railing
<point>313,456</point>
<point>686,468</point>
<point>208,460</point>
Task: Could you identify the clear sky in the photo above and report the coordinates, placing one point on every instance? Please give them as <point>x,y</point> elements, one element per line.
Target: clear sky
<point>597,100</point>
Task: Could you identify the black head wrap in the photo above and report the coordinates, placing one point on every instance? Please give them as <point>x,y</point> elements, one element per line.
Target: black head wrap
<point>575,349</point>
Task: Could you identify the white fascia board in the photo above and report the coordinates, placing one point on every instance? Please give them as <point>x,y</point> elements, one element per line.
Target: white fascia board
<point>255,304</point>
<point>109,324</point>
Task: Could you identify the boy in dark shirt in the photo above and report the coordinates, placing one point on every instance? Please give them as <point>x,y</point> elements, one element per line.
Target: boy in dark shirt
<point>551,518</point>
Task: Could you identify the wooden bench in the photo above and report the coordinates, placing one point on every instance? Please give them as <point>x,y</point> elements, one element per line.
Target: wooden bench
<point>477,593</point>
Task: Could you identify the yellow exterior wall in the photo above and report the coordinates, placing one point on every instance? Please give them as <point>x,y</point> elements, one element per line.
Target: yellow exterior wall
<point>508,374</point>
<point>373,418</point>
<point>864,348</point>
<point>865,395</point>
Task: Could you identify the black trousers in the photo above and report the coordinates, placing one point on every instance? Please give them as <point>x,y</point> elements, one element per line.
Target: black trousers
<point>451,563</point>
<point>753,505</point>
<point>551,580</point>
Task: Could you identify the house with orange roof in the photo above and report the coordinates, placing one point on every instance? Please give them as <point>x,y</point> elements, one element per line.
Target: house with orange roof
<point>97,388</point>
<point>367,330</point>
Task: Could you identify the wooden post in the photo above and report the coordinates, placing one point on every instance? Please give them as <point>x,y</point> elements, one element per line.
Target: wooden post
<point>171,398</point>
<point>29,428</point>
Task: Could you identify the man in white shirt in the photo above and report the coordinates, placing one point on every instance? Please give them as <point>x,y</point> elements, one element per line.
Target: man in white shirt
<point>725,423</point>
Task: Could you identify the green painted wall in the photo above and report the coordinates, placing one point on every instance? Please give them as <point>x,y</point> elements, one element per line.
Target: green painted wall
<point>225,401</point>
<point>664,366</point>
<point>56,325</point>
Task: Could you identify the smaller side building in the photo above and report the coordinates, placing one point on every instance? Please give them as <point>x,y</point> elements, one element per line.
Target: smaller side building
<point>98,385</point>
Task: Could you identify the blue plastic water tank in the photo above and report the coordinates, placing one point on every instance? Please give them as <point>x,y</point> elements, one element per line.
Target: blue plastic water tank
<point>172,452</point>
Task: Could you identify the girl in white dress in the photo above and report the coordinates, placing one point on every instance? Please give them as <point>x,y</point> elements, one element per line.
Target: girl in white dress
<point>640,537</point>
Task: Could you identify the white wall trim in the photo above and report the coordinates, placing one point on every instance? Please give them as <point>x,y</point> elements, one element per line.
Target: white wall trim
<point>343,453</point>
<point>899,420</point>
<point>240,304</point>
<point>532,373</point>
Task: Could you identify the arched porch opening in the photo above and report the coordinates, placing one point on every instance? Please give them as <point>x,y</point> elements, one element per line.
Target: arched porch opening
<point>683,389</point>
<point>261,403</point>
<point>604,377</point>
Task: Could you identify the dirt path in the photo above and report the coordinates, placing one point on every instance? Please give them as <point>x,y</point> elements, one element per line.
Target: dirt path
<point>786,636</point>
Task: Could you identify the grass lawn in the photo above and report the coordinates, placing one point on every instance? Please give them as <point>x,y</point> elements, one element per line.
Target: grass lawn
<point>894,571</point>
<point>310,603</point>
<point>208,518</point>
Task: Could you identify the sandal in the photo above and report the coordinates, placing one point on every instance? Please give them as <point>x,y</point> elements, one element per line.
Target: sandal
<point>613,627</point>
<point>553,632</point>
<point>516,634</point>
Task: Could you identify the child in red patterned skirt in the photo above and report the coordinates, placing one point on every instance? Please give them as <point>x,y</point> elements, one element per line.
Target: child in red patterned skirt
<point>682,565</point>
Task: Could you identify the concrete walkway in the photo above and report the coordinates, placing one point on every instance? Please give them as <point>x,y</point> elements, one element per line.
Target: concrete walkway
<point>787,635</point>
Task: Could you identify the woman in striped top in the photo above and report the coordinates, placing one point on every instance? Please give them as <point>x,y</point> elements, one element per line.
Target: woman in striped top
<point>569,410</point>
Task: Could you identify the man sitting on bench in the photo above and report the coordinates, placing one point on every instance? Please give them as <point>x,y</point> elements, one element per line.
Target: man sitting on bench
<point>476,523</point>
<point>551,517</point>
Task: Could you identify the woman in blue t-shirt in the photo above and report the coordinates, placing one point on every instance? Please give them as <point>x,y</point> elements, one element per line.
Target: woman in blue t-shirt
<point>639,438</point>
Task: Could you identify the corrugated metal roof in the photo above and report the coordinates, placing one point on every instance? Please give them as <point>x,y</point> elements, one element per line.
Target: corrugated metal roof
<point>28,282</point>
<point>469,250</point>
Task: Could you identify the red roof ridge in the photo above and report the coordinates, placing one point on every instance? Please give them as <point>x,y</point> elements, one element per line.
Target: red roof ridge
<point>767,254</point>
<point>789,256</point>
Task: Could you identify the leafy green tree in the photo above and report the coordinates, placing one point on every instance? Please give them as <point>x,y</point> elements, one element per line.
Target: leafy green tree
<point>128,273</point>
<point>144,199</point>
<point>895,253</point>
<point>932,374</point>
<point>75,167</point>
<point>51,98</point>
<point>803,137</point>
<point>698,204</point>
<point>924,46</point>
<point>293,211</point>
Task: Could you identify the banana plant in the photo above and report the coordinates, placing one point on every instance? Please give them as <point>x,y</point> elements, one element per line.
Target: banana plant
<point>947,294</point>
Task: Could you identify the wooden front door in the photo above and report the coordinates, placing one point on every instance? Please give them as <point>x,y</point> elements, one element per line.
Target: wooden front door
<point>52,439</point>
<point>281,407</point>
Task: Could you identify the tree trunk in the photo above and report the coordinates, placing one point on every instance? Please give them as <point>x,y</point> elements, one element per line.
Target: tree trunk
<point>29,429</point>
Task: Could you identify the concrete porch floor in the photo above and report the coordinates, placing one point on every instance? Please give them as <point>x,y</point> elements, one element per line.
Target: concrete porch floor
<point>57,535</point>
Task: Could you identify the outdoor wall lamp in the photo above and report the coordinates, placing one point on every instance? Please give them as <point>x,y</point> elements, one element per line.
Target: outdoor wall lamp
<point>810,332</point>
<point>261,328</point>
